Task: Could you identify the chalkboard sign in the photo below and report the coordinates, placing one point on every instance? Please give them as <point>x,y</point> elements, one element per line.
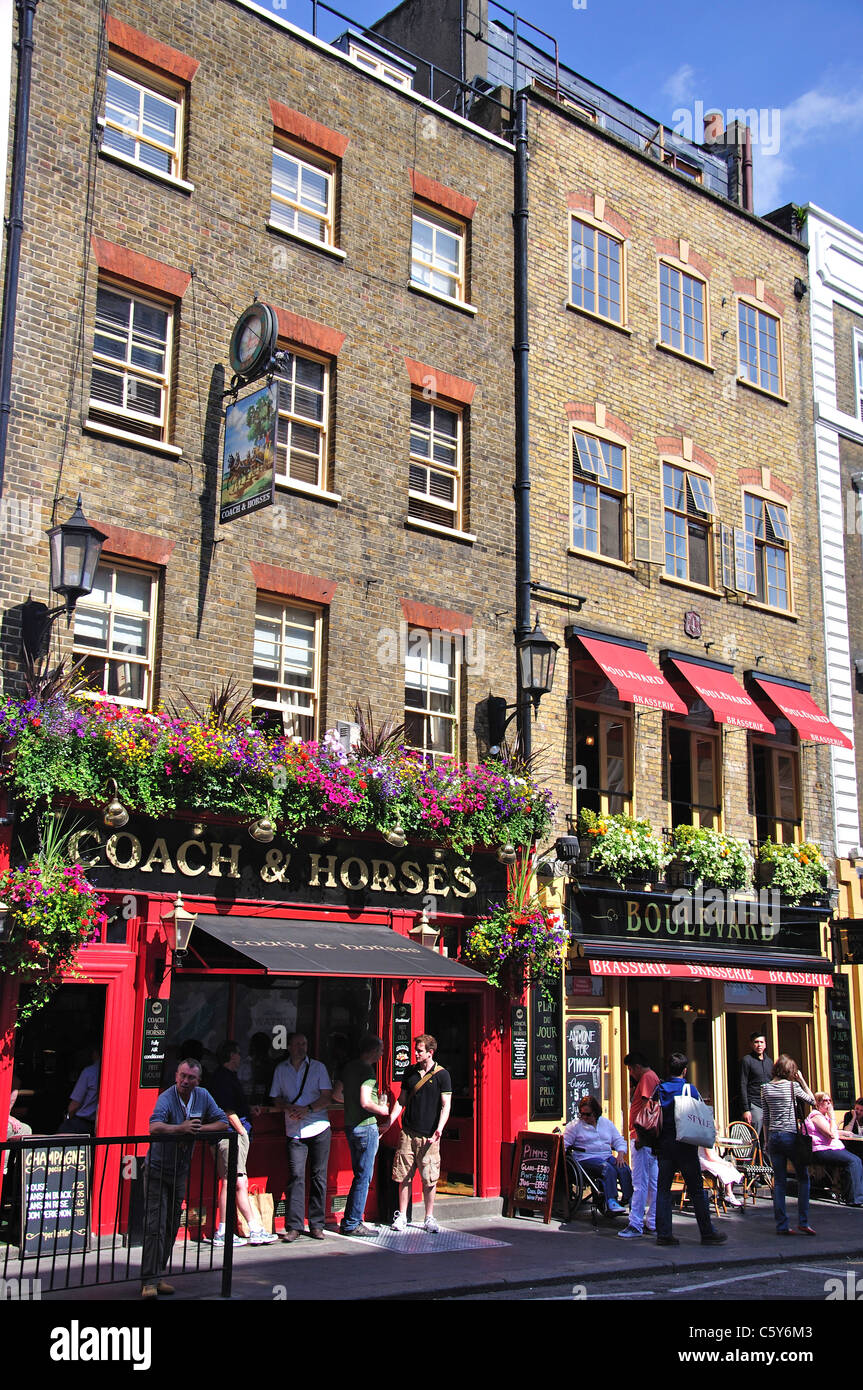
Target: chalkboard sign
<point>546,1055</point>
<point>401,1040</point>
<point>583,1062</point>
<point>518,1043</point>
<point>841,1048</point>
<point>55,1197</point>
<point>153,1042</point>
<point>534,1171</point>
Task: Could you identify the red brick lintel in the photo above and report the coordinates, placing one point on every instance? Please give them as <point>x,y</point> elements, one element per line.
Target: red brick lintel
<point>435,619</point>
<point>585,202</point>
<point>150,51</point>
<point>138,269</point>
<point>753,476</point>
<point>293,328</point>
<point>135,545</point>
<point>318,137</point>
<point>667,246</point>
<point>586,413</point>
<point>672,444</point>
<point>452,388</point>
<point>271,579</point>
<point>741,285</point>
<point>442,197</point>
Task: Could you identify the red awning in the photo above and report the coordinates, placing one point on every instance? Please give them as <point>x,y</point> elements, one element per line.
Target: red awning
<point>633,674</point>
<point>797,705</point>
<point>725,696</point>
<point>688,970</point>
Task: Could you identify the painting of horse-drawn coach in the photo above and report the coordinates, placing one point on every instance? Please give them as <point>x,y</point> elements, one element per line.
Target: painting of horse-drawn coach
<point>249,454</point>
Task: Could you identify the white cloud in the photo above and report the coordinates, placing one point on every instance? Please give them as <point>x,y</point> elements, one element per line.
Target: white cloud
<point>680,86</point>
<point>800,126</point>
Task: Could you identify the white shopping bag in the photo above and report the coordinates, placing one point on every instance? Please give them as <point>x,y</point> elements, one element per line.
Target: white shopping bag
<point>694,1121</point>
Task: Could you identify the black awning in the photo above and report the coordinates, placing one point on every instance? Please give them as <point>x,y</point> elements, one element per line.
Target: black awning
<point>331,948</point>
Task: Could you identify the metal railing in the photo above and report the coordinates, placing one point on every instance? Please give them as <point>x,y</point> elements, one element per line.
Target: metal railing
<point>77,1211</point>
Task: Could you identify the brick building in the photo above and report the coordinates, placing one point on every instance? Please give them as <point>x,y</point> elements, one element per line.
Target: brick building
<point>172,177</point>
<point>674,539</point>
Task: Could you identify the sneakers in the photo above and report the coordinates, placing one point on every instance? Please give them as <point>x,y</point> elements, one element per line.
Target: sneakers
<point>367,1232</point>
<point>219,1241</point>
<point>614,1207</point>
<point>431,1227</point>
<point>400,1221</point>
<point>261,1237</point>
<point>629,1233</point>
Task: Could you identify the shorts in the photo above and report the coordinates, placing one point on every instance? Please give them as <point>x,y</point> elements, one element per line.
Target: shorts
<point>414,1152</point>
<point>242,1155</point>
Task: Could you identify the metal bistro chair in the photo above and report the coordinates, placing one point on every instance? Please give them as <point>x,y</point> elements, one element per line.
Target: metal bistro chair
<point>712,1186</point>
<point>746,1152</point>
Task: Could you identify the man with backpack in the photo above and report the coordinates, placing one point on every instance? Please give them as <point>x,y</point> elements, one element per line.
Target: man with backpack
<point>644,1164</point>
<point>425,1098</point>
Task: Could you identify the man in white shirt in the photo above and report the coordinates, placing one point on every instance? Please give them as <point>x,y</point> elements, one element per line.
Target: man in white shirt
<point>302,1088</point>
<point>601,1150</point>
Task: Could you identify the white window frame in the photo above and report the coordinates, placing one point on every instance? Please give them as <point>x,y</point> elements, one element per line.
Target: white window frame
<point>371,63</point>
<point>450,512</point>
<point>743,371</point>
<point>120,657</point>
<point>455,227</point>
<point>296,418</point>
<point>696,484</point>
<point>135,423</point>
<point>284,700</point>
<point>307,161</point>
<point>858,372</point>
<point>591,467</point>
<point>146,84</point>
<point>609,236</point>
<point>425,648</point>
<point>684,272</point>
<point>755,548</point>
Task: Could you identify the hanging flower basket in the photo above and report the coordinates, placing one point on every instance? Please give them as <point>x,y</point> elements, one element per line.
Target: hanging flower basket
<point>518,943</point>
<point>53,912</point>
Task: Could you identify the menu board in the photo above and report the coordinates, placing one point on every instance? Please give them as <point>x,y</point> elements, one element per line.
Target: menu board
<point>841,1048</point>
<point>55,1192</point>
<point>153,1042</point>
<point>401,1040</point>
<point>546,1055</point>
<point>534,1171</point>
<point>518,1043</point>
<point>583,1062</point>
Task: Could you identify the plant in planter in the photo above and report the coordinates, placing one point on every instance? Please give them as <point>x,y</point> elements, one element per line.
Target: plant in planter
<point>797,871</point>
<point>621,846</point>
<point>222,763</point>
<point>517,943</point>
<point>53,911</point>
<point>712,856</point>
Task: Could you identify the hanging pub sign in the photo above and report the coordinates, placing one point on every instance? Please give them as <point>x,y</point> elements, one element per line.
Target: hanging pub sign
<point>546,1055</point>
<point>248,461</point>
<point>518,1043</point>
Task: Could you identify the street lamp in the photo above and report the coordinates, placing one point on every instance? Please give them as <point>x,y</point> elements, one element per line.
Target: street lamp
<point>536,657</point>
<point>178,929</point>
<point>75,550</point>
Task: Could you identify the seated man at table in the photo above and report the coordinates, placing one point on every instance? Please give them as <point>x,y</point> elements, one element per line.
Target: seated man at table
<point>601,1150</point>
<point>853,1121</point>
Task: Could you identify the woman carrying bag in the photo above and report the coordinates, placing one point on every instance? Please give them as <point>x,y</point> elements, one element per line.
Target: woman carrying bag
<point>784,1141</point>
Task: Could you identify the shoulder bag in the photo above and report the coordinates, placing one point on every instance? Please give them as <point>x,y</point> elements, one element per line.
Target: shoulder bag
<point>693,1120</point>
<point>803,1144</point>
<point>647,1121</point>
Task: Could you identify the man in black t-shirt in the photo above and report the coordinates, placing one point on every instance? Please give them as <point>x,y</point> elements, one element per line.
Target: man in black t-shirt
<point>426,1096</point>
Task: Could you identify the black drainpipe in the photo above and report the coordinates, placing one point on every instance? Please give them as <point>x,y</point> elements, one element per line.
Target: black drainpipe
<point>522,417</point>
<point>15,224</point>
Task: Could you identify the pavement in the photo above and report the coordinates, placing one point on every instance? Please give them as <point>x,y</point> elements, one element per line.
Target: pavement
<point>490,1252</point>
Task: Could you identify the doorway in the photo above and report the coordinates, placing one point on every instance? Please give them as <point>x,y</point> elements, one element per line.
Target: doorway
<point>668,1016</point>
<point>451,1020</point>
<point>51,1050</point>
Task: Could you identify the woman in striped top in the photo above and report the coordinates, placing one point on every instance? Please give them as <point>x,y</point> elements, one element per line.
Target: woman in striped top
<point>780,1122</point>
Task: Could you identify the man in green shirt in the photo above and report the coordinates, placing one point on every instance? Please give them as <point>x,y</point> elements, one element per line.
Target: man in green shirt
<point>363,1106</point>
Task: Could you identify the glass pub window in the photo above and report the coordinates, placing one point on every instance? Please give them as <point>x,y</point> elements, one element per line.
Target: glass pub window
<point>143,124</point>
<point>688,506</point>
<point>598,496</point>
<point>758,344</point>
<point>682,312</point>
<point>596,271</point>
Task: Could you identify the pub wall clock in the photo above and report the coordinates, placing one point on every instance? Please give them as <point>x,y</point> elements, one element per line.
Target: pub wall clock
<point>253,340</point>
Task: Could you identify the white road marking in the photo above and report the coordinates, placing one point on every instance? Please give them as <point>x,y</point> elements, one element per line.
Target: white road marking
<point>736,1279</point>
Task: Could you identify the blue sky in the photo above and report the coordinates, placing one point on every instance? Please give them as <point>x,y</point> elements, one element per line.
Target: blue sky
<point>802,59</point>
